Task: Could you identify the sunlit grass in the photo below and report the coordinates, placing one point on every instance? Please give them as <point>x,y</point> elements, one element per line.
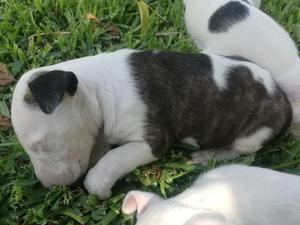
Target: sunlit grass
<point>35,33</point>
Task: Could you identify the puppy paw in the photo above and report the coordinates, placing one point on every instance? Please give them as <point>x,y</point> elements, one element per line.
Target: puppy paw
<point>202,157</point>
<point>93,185</point>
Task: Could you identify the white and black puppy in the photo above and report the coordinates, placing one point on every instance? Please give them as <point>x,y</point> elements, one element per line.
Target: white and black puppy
<point>230,195</point>
<point>145,102</point>
<point>237,28</point>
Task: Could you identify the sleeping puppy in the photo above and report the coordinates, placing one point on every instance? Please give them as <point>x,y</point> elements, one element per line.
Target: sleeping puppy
<point>237,28</point>
<point>145,102</point>
<point>224,197</point>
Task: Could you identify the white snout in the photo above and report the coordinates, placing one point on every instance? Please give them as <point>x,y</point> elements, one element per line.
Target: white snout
<point>58,174</point>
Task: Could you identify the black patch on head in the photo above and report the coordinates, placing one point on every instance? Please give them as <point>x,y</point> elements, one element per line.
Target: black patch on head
<point>48,89</point>
<point>183,100</point>
<point>226,16</point>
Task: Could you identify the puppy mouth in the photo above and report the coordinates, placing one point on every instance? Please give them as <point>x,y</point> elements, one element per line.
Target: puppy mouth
<point>64,175</point>
<point>50,185</point>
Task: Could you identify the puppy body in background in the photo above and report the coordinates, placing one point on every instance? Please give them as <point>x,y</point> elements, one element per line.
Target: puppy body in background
<point>145,102</point>
<point>229,195</point>
<point>236,28</point>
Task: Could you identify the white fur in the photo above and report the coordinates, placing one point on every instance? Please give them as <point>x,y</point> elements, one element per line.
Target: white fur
<point>258,38</point>
<point>244,145</point>
<point>221,67</point>
<point>60,144</point>
<point>229,195</point>
<point>253,142</point>
<point>220,70</point>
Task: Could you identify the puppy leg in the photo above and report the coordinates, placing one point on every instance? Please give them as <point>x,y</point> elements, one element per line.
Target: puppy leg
<point>115,164</point>
<point>242,145</point>
<point>202,157</point>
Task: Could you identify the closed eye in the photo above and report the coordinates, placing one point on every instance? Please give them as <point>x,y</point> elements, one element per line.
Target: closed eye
<point>35,148</point>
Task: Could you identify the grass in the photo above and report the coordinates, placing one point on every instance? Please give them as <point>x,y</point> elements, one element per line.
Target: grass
<point>35,33</point>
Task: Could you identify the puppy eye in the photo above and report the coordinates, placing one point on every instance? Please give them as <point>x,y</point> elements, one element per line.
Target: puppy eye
<point>38,146</point>
<point>35,148</point>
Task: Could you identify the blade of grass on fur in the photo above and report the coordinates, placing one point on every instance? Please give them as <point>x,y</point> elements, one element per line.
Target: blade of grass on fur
<point>144,14</point>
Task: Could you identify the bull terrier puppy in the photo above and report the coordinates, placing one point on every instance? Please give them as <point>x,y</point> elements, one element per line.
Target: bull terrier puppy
<point>145,102</point>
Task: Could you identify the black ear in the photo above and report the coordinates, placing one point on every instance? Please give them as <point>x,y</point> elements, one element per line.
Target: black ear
<point>49,89</point>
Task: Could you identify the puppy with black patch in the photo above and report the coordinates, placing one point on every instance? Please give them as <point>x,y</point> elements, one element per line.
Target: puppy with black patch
<point>145,102</point>
<point>229,195</point>
<point>237,28</point>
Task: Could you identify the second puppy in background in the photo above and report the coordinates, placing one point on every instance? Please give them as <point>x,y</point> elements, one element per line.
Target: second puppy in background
<point>237,28</point>
<point>229,195</point>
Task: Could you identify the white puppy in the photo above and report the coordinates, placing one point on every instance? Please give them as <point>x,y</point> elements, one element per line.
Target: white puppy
<point>144,102</point>
<point>230,195</point>
<point>236,28</point>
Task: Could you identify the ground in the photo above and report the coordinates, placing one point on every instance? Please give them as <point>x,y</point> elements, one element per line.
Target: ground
<point>35,33</point>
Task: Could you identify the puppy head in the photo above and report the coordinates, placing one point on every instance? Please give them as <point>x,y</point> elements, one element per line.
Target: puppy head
<point>51,117</point>
<point>151,209</point>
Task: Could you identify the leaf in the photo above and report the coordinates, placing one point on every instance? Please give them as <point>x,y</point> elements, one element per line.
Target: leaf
<point>90,16</point>
<point>98,214</point>
<point>144,14</point>
<point>4,109</point>
<point>4,123</point>
<point>108,218</point>
<point>73,213</point>
<point>5,77</point>
<point>298,31</point>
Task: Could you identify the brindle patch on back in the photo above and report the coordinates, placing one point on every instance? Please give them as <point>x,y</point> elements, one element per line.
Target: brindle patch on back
<point>183,100</point>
